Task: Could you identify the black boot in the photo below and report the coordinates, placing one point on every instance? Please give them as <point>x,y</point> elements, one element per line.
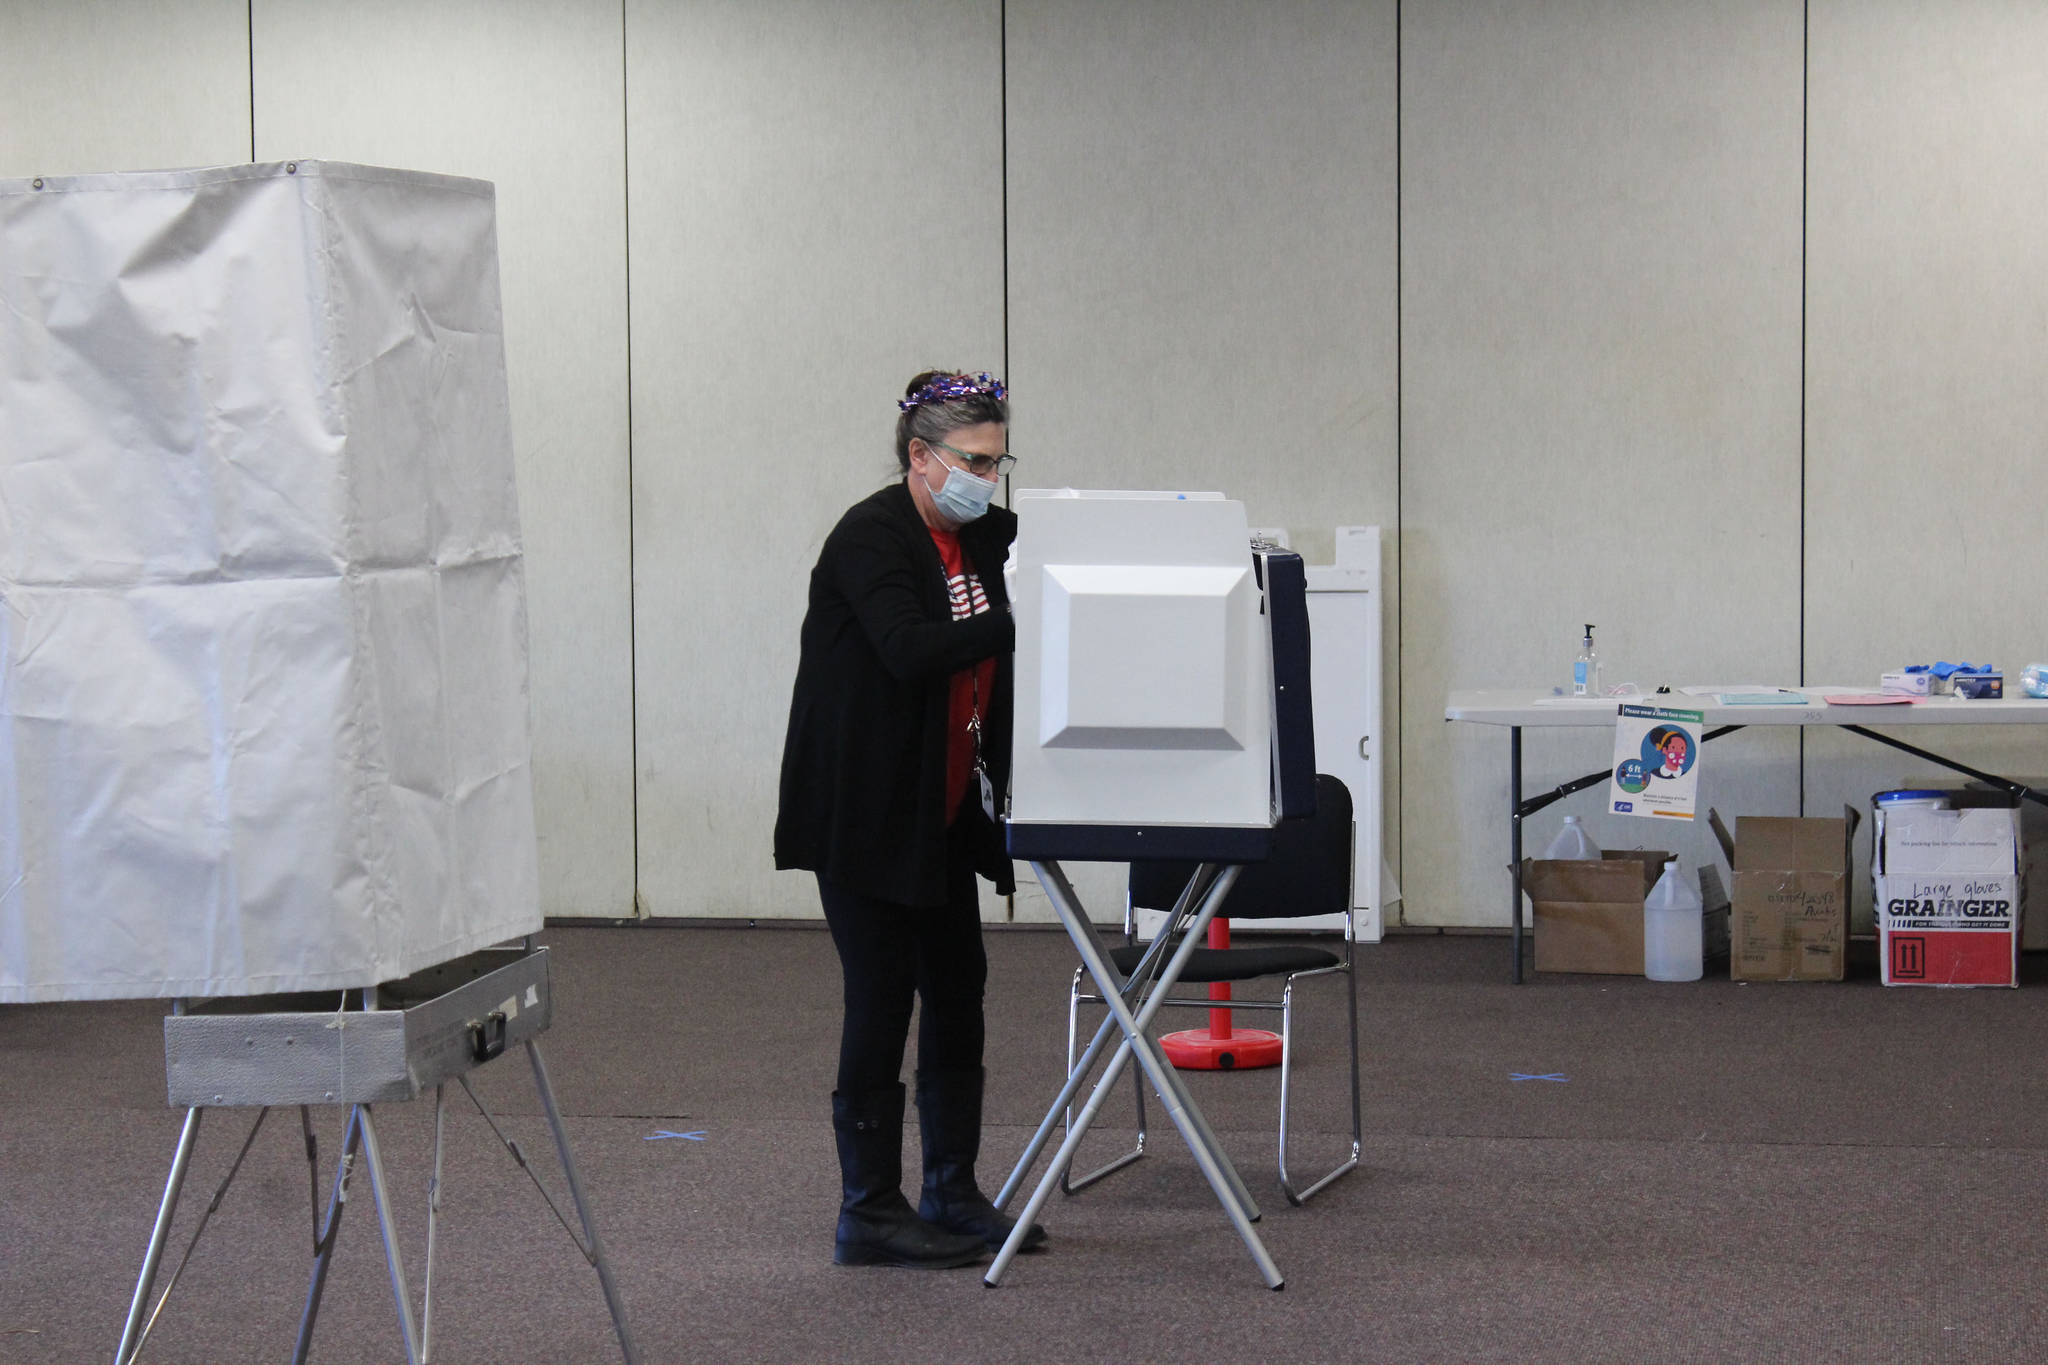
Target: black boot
<point>876,1223</point>
<point>949,1119</point>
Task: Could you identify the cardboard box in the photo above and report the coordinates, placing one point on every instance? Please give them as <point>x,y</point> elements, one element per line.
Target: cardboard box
<point>2033,848</point>
<point>1790,915</point>
<point>1587,916</point>
<point>1979,686</point>
<point>1947,896</point>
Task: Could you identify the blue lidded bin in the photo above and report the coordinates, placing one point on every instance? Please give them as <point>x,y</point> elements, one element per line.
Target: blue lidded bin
<point>1908,798</point>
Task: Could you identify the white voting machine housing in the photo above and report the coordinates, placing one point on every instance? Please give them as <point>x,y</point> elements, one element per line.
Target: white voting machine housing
<point>263,689</point>
<point>1147,724</point>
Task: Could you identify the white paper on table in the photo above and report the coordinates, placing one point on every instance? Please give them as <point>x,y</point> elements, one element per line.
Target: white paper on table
<point>263,672</point>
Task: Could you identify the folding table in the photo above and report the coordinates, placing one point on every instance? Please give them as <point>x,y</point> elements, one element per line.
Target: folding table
<point>1517,709</point>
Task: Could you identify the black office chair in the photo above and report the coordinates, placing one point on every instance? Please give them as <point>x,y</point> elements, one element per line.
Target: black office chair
<point>1309,873</point>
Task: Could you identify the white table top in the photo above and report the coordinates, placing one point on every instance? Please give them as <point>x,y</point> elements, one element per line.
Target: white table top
<point>1531,708</point>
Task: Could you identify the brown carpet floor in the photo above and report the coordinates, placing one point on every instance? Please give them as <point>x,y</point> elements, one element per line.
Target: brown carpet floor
<point>1581,1169</point>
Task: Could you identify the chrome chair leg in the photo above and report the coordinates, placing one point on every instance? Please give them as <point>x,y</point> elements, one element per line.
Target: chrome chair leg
<point>1148,966</point>
<point>1071,1184</point>
<point>1349,1164</point>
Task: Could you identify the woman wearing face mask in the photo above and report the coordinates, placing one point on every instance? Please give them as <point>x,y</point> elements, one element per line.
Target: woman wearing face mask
<point>897,751</point>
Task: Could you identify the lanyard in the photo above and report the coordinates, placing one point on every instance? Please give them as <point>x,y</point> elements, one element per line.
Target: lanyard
<point>974,715</point>
<point>988,790</point>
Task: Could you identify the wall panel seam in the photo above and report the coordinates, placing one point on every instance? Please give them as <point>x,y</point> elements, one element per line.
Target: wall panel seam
<point>1805,155</point>
<point>1003,174</point>
<point>249,20</point>
<point>1400,508</point>
<point>634,907</point>
<point>1003,94</point>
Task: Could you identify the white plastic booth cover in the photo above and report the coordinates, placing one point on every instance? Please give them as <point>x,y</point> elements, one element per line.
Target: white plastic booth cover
<point>263,693</point>
<point>1144,681</point>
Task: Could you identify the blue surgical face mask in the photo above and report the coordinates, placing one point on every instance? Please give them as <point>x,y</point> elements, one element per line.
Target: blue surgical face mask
<point>962,497</point>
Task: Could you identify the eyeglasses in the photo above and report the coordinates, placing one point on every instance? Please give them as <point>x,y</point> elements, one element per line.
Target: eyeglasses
<point>981,466</point>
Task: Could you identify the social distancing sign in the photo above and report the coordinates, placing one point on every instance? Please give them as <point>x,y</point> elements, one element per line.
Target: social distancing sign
<point>1656,762</point>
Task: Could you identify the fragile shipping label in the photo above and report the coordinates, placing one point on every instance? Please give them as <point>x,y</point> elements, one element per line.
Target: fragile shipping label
<point>1656,762</point>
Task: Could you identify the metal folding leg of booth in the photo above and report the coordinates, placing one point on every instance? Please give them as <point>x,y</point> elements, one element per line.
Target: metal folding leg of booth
<point>360,1144</point>
<point>1132,1004</point>
<point>285,1057</point>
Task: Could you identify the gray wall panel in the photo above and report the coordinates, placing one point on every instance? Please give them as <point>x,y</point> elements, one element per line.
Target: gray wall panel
<point>817,214</point>
<point>122,85</point>
<point>526,94</point>
<point>1202,226</point>
<point>1600,264</point>
<point>1927,368</point>
<point>1599,209</point>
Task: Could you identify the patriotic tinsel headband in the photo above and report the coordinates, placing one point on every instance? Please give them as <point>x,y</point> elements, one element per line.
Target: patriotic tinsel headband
<point>947,388</point>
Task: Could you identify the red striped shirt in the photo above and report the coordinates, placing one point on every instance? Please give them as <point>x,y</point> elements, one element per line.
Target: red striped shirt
<point>963,589</point>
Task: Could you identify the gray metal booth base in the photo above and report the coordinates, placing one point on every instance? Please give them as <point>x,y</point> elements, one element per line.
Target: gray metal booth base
<point>1132,1004</point>
<point>401,1039</point>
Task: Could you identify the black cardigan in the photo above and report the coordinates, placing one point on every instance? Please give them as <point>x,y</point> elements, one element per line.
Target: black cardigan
<point>864,761</point>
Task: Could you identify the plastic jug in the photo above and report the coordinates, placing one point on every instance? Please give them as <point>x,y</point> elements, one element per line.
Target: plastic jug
<point>1673,931</point>
<point>1572,842</point>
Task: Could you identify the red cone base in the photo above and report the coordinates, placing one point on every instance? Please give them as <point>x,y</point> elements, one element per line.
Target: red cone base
<point>1200,1049</point>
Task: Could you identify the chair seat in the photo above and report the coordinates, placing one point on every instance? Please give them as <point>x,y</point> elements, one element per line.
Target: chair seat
<point>1236,964</point>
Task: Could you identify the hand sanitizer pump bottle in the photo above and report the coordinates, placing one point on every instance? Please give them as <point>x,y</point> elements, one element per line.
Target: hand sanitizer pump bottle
<point>1586,670</point>
<point>1673,929</point>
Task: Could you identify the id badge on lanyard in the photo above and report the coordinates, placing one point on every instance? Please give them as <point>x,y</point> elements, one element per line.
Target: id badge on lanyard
<point>988,791</point>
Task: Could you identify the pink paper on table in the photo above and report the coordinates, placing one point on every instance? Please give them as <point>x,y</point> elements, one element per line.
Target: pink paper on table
<point>1869,699</point>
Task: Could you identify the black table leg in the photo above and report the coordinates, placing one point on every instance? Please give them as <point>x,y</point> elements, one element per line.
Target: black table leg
<point>1515,846</point>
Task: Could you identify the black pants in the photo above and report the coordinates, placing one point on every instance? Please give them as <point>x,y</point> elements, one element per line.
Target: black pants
<point>890,954</point>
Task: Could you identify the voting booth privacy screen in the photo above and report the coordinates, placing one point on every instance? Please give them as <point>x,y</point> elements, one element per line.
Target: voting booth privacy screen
<point>1163,705</point>
<point>263,676</point>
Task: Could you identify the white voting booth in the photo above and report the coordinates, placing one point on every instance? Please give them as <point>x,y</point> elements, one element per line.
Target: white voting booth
<point>1163,713</point>
<point>1344,609</point>
<point>263,660</point>
<point>1144,675</point>
<point>263,678</point>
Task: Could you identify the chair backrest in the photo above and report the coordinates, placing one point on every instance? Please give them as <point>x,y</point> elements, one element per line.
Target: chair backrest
<point>1309,872</point>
